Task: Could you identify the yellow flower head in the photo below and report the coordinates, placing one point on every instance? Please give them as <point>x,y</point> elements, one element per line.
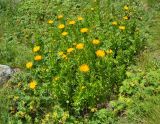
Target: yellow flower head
<point>32,84</point>
<point>56,78</point>
<point>50,21</point>
<point>64,33</point>
<point>126,7</point>
<point>60,16</point>
<point>84,30</point>
<point>61,26</point>
<point>36,48</point>
<point>69,50</point>
<point>125,18</point>
<point>100,53</point>
<point>29,65</point>
<point>80,18</point>
<point>114,23</point>
<point>80,46</point>
<point>64,56</point>
<point>60,53</point>
<point>84,68</point>
<point>109,51</point>
<point>122,27</point>
<point>96,41</point>
<point>72,22</point>
<point>38,58</point>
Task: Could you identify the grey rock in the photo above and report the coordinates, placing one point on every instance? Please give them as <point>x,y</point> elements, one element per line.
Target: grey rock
<point>5,73</point>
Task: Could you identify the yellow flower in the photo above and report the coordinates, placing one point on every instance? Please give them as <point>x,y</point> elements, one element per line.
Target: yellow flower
<point>50,21</point>
<point>72,22</point>
<point>126,7</point>
<point>100,53</point>
<point>80,46</point>
<point>69,50</point>
<point>36,48</point>
<point>109,51</point>
<point>114,23</point>
<point>60,53</point>
<point>96,41</point>
<point>122,27</point>
<point>80,18</point>
<point>38,58</point>
<point>32,84</point>
<point>64,33</point>
<point>84,30</point>
<point>61,26</point>
<point>29,65</point>
<point>84,68</point>
<point>125,17</point>
<point>64,56</point>
<point>60,16</point>
<point>56,78</point>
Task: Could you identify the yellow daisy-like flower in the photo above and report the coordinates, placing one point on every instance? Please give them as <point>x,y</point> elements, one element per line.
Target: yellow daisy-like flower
<point>126,7</point>
<point>109,51</point>
<point>114,23</point>
<point>122,27</point>
<point>36,48</point>
<point>64,56</point>
<point>96,42</point>
<point>84,30</point>
<point>125,18</point>
<point>69,50</point>
<point>64,33</point>
<point>50,21</point>
<point>100,53</point>
<point>72,22</point>
<point>80,18</point>
<point>84,68</point>
<point>80,46</point>
<point>38,58</point>
<point>60,53</point>
<point>56,78</point>
<point>60,16</point>
<point>29,65</point>
<point>32,84</point>
<point>61,26</point>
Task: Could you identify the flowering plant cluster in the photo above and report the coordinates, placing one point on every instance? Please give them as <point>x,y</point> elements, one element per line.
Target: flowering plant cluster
<point>78,63</point>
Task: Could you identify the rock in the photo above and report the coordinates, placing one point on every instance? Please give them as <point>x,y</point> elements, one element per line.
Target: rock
<point>5,73</point>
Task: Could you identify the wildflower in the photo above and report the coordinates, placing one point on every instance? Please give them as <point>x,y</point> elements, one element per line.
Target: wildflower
<point>126,7</point>
<point>100,53</point>
<point>50,21</point>
<point>114,23</point>
<point>29,65</point>
<point>60,53</point>
<point>64,56</point>
<point>32,84</point>
<point>80,18</point>
<point>96,42</point>
<point>72,22</point>
<point>61,26</point>
<point>80,46</point>
<point>125,18</point>
<point>60,16</point>
<point>56,78</point>
<point>64,33</point>
<point>69,50</point>
<point>109,51</point>
<point>36,48</point>
<point>122,27</point>
<point>38,58</point>
<point>84,68</point>
<point>84,30</point>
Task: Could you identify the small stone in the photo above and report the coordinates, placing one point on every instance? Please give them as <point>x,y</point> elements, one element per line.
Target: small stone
<point>5,73</point>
